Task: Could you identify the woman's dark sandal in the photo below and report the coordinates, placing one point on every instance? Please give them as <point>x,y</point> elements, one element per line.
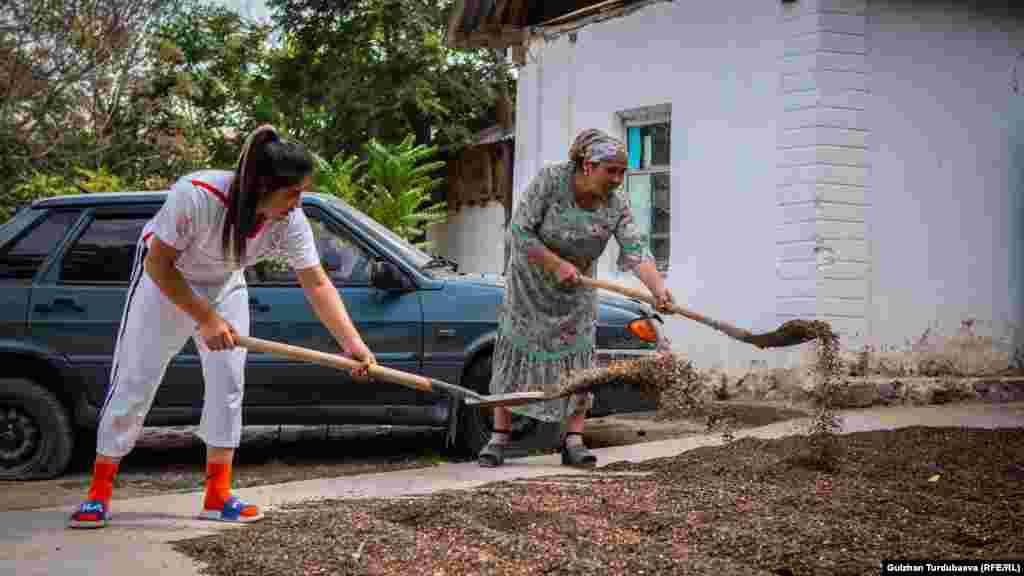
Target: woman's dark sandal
<point>578,455</point>
<point>492,455</point>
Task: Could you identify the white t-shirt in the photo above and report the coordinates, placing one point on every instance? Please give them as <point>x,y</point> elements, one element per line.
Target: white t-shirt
<point>192,221</point>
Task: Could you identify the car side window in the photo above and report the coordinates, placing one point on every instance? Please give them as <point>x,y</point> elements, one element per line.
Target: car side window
<point>20,260</point>
<point>105,252</point>
<point>345,261</point>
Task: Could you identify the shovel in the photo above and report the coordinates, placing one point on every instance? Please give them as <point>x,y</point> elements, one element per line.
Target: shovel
<point>791,332</point>
<point>414,381</point>
<point>457,394</point>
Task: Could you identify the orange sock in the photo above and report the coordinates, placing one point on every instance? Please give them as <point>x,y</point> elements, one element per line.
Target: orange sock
<point>218,485</point>
<point>102,487</point>
<point>218,488</point>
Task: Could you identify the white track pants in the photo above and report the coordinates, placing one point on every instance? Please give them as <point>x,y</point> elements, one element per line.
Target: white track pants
<point>153,330</point>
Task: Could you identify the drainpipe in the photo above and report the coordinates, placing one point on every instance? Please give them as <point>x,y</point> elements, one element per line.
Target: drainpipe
<point>571,101</point>
<point>538,140</point>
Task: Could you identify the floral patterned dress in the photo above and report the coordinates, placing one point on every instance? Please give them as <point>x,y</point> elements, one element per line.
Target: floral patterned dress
<point>546,329</point>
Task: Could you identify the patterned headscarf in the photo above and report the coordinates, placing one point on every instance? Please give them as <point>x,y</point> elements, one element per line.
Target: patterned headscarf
<point>595,146</point>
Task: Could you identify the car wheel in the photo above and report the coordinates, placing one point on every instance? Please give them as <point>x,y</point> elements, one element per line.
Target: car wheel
<point>36,438</point>
<point>476,424</point>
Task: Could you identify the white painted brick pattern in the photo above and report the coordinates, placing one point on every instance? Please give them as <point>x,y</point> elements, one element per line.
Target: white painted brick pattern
<point>848,250</point>
<point>810,191</point>
<point>822,136</point>
<point>823,259</point>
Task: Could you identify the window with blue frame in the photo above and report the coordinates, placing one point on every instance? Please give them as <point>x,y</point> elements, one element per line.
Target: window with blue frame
<point>648,183</point>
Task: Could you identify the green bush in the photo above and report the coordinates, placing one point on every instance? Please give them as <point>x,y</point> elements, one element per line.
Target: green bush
<point>100,181</point>
<point>400,186</point>
<point>39,185</point>
<point>393,187</point>
<point>337,178</point>
<point>43,185</point>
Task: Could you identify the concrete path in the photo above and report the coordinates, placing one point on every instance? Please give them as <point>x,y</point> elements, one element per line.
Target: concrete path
<point>36,542</point>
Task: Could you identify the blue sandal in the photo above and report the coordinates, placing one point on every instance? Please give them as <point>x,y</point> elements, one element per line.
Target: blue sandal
<point>90,514</point>
<point>232,512</point>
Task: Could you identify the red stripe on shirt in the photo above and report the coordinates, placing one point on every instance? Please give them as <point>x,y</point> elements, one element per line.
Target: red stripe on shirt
<point>220,195</point>
<point>145,238</point>
<point>260,221</point>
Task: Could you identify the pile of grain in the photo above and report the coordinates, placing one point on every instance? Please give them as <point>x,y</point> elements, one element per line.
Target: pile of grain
<point>678,387</point>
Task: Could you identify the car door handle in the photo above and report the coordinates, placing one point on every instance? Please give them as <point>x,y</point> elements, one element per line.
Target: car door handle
<point>254,304</point>
<point>59,303</point>
<point>446,332</point>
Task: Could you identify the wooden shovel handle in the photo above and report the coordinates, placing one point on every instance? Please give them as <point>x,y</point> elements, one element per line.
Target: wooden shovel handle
<point>728,329</point>
<point>335,361</point>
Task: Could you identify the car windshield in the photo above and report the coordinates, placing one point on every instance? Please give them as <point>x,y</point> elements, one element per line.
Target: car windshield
<point>418,257</point>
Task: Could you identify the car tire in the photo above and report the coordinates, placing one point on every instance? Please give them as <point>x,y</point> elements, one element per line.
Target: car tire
<point>36,437</point>
<point>475,424</point>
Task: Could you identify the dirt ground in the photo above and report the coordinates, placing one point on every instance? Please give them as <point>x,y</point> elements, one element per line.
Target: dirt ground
<point>748,507</point>
<point>169,460</point>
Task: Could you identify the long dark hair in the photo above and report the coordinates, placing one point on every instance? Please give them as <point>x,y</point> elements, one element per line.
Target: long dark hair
<point>267,163</point>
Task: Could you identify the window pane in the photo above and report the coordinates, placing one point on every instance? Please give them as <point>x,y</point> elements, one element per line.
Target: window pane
<point>660,249</point>
<point>22,259</point>
<point>661,216</point>
<point>640,202</point>
<point>651,194</point>
<point>649,146</point>
<point>105,253</point>
<point>344,261</point>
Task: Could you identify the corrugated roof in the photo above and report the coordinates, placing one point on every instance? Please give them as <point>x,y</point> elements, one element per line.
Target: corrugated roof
<point>496,133</point>
<point>507,23</point>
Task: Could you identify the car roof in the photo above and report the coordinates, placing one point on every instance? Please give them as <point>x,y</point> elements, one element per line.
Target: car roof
<point>112,198</point>
<point>100,198</point>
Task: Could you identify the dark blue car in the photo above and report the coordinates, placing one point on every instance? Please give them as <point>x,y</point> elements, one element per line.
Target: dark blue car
<point>64,270</point>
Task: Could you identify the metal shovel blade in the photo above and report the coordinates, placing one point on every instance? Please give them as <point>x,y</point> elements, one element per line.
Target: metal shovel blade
<point>510,399</point>
<point>791,333</point>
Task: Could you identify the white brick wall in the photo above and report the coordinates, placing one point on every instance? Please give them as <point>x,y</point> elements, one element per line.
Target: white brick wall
<point>935,169</point>
<point>822,135</point>
<point>822,254</point>
<point>811,191</point>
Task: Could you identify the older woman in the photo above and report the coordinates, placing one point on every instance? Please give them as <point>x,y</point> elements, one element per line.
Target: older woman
<point>547,323</point>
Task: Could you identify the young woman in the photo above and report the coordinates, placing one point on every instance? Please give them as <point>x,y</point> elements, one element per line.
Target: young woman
<point>547,325</point>
<point>188,281</point>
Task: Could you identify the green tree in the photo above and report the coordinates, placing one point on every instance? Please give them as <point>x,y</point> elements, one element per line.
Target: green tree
<point>348,72</point>
<point>214,72</point>
<point>68,71</point>
<point>143,89</point>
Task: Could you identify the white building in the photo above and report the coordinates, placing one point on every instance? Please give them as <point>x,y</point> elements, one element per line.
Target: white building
<point>851,160</point>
